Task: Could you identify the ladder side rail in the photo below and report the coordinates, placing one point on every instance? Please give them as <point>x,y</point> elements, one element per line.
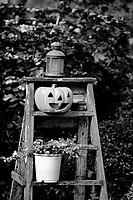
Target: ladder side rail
<point>81,162</point>
<point>29,134</point>
<point>95,139</point>
<point>16,192</point>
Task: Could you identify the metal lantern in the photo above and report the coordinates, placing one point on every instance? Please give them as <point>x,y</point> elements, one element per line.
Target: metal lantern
<point>55,61</point>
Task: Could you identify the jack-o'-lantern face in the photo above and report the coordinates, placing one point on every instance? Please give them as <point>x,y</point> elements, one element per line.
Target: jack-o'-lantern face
<point>68,98</point>
<point>53,99</point>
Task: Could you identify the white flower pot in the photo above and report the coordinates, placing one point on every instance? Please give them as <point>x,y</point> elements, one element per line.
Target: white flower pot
<point>47,167</point>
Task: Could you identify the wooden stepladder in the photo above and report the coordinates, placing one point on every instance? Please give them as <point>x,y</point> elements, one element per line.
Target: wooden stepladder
<point>89,182</point>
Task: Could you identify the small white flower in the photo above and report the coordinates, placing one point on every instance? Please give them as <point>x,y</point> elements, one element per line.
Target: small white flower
<point>11,35</point>
<point>34,23</point>
<point>77,30</point>
<point>21,87</point>
<point>16,56</point>
<point>15,153</point>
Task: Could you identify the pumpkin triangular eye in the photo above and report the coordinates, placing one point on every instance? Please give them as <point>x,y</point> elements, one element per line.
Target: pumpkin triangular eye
<point>68,95</point>
<point>50,94</point>
<point>60,98</point>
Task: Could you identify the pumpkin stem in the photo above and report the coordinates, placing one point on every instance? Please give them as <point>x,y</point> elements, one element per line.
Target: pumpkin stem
<point>54,85</point>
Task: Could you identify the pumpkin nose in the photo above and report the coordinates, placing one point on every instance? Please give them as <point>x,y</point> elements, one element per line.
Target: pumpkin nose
<point>60,98</point>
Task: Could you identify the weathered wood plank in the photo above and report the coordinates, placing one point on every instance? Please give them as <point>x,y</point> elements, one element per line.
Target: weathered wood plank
<point>18,178</point>
<point>89,147</point>
<point>79,192</point>
<point>28,190</point>
<point>58,122</point>
<point>72,182</point>
<point>67,114</point>
<point>95,140</point>
<point>16,189</point>
<point>56,80</point>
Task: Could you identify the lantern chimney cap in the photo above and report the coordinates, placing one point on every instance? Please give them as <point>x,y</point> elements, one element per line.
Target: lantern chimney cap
<point>55,52</point>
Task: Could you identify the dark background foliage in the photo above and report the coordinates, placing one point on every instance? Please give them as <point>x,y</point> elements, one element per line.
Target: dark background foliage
<point>96,44</point>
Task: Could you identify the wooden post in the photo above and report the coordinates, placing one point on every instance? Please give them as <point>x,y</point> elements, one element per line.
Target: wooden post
<point>79,191</point>
<point>95,139</point>
<point>17,189</point>
<point>29,132</point>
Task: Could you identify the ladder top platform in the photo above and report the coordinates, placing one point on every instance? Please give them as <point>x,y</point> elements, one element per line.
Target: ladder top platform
<point>60,79</point>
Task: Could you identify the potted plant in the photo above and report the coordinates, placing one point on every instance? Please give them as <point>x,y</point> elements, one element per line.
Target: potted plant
<point>48,157</point>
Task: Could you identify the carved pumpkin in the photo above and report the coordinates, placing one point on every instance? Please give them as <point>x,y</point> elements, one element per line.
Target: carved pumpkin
<point>53,99</point>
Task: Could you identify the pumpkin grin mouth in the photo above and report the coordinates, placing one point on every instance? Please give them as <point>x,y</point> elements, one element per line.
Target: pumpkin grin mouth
<point>58,106</point>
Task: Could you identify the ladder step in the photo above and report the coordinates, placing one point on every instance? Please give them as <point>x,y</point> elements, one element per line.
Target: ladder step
<point>19,179</point>
<point>67,114</point>
<point>58,79</point>
<point>75,182</point>
<point>89,147</point>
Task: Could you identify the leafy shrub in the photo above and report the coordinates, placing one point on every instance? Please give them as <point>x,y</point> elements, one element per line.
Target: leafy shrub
<point>95,45</point>
<point>117,143</point>
<point>129,195</point>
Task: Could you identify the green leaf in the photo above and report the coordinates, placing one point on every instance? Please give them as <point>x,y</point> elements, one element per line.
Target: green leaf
<point>7,97</point>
